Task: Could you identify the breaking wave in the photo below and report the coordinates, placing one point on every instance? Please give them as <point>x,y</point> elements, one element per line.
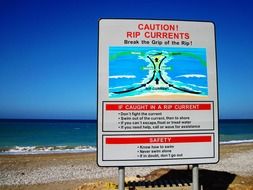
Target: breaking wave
<point>237,141</point>
<point>46,149</point>
<point>191,76</point>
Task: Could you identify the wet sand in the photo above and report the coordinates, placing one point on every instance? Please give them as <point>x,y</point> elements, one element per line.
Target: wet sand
<point>80,171</point>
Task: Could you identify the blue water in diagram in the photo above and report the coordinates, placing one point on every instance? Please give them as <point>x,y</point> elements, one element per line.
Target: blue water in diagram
<point>143,71</point>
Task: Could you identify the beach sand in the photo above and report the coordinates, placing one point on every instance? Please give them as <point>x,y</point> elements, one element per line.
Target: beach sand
<point>165,97</point>
<point>80,171</point>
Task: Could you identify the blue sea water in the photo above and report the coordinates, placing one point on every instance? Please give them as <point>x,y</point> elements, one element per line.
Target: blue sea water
<point>43,136</point>
<point>236,131</point>
<point>38,136</point>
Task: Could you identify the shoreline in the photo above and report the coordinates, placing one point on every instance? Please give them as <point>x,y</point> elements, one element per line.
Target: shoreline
<point>70,170</point>
<point>90,149</point>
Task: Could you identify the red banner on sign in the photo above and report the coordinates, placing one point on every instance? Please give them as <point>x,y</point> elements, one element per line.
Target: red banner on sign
<point>160,140</point>
<point>149,107</point>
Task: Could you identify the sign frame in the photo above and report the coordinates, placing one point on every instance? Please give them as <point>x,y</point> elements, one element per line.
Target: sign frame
<point>157,162</point>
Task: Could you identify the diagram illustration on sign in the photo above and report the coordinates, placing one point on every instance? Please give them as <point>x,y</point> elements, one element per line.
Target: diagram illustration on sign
<point>145,71</point>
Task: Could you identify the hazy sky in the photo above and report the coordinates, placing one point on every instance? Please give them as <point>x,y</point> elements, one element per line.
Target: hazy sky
<point>48,52</point>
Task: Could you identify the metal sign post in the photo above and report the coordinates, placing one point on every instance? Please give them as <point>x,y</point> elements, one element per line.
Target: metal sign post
<point>195,177</point>
<point>121,178</point>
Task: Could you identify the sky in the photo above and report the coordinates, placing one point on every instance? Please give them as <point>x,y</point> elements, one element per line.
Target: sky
<point>48,53</point>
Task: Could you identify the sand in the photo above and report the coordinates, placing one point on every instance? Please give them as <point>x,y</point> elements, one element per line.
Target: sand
<point>165,97</point>
<point>80,171</point>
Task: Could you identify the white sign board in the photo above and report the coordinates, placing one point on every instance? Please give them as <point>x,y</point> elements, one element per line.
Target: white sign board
<point>157,93</point>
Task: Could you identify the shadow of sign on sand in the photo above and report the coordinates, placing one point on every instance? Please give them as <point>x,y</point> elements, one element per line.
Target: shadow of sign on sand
<point>209,180</point>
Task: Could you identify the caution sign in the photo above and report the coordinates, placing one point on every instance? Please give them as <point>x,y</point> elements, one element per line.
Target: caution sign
<point>157,93</point>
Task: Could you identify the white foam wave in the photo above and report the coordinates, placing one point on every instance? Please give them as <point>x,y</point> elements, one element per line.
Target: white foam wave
<point>124,87</point>
<point>135,53</point>
<point>191,76</point>
<point>187,87</point>
<point>47,149</point>
<point>197,86</point>
<point>122,76</point>
<point>237,141</point>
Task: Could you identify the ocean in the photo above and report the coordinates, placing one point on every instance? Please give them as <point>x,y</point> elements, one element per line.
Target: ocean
<point>61,136</point>
<point>47,136</point>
